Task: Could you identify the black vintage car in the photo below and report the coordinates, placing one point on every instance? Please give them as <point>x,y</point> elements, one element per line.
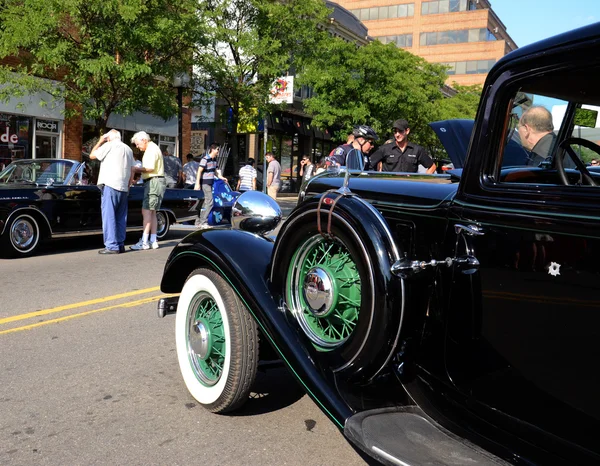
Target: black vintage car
<point>436,319</point>
<point>52,198</point>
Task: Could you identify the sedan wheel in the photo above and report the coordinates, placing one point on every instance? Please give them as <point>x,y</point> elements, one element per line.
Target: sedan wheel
<point>217,342</point>
<point>163,224</point>
<point>22,236</point>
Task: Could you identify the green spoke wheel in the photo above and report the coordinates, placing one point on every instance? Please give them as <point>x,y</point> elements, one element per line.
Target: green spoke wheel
<point>324,289</point>
<point>217,342</point>
<point>331,265</point>
<point>206,340</point>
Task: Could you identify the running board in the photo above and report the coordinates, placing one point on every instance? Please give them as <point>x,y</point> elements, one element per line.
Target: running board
<point>405,437</point>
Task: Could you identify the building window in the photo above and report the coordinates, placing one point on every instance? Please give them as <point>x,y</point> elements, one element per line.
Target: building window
<point>403,40</point>
<point>456,37</point>
<point>469,67</point>
<point>445,6</point>
<point>385,12</point>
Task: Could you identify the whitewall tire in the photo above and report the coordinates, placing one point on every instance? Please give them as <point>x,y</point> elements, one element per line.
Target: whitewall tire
<point>217,342</point>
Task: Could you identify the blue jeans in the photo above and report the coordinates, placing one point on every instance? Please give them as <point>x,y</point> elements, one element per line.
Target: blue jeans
<point>114,217</point>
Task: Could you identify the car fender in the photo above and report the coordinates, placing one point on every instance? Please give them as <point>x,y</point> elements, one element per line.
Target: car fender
<point>24,209</point>
<point>243,260</point>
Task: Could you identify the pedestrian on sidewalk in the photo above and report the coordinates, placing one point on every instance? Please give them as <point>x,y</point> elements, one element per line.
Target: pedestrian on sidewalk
<point>153,176</point>
<point>273,175</point>
<point>190,169</point>
<point>247,177</point>
<point>115,177</point>
<point>173,170</point>
<point>207,171</point>
<point>306,168</point>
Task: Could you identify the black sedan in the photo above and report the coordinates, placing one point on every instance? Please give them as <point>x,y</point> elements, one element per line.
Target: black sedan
<point>436,319</point>
<point>50,198</point>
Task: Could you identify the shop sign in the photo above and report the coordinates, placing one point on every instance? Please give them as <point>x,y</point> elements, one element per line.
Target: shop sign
<point>46,125</point>
<point>7,137</point>
<point>282,90</point>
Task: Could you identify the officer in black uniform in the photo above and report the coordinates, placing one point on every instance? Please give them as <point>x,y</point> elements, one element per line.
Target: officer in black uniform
<point>401,155</point>
<point>350,155</point>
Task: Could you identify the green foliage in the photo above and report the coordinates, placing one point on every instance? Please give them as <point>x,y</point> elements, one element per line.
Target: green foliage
<point>250,43</point>
<point>462,105</point>
<point>586,117</point>
<point>375,85</point>
<point>108,55</point>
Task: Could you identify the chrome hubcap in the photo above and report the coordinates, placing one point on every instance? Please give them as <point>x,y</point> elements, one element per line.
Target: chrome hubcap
<point>318,292</point>
<point>200,339</point>
<point>22,234</point>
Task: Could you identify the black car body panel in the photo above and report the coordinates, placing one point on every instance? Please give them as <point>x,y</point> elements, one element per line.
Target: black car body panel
<point>488,277</point>
<point>247,268</point>
<point>70,207</point>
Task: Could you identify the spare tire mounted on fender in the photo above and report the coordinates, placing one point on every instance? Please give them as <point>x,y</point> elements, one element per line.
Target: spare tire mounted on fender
<point>332,265</point>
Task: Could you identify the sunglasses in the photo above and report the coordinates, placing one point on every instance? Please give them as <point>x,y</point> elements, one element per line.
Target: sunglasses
<point>401,131</point>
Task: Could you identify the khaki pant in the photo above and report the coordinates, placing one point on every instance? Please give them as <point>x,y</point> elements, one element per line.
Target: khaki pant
<point>272,191</point>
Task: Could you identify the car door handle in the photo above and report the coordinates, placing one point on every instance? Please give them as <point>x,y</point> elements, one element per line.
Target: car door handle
<point>471,230</point>
<point>466,264</point>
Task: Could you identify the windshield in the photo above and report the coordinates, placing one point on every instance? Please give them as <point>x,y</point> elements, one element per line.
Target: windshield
<point>47,172</point>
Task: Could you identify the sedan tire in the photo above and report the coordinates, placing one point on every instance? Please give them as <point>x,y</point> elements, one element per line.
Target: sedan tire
<point>163,224</point>
<point>21,237</point>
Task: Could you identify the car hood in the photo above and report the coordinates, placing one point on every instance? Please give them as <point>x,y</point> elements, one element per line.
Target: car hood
<point>455,136</point>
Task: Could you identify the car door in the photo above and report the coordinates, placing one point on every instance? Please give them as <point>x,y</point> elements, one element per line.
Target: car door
<point>523,323</point>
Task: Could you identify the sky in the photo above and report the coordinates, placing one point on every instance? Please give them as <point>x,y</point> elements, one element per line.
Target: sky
<point>528,21</point>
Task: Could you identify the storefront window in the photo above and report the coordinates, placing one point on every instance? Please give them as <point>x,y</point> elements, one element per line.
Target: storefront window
<point>45,146</point>
<point>15,138</point>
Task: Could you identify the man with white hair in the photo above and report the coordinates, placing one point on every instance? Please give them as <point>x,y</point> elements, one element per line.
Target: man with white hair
<point>114,179</point>
<point>153,176</point>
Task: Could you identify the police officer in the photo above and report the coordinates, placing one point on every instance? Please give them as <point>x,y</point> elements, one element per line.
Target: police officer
<point>400,155</point>
<point>351,154</point>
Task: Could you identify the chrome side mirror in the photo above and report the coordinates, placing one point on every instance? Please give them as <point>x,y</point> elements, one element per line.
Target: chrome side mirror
<point>255,212</point>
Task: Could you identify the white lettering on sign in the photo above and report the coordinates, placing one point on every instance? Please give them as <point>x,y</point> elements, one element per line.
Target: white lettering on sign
<point>7,137</point>
<point>46,125</point>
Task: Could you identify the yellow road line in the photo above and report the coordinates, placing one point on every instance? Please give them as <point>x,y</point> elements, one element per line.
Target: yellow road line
<point>44,312</point>
<point>82,314</point>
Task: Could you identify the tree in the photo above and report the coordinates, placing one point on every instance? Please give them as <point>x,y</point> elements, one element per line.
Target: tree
<point>375,85</point>
<point>249,44</point>
<point>461,105</point>
<point>109,55</point>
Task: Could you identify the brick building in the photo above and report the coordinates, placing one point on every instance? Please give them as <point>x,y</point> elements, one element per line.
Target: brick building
<point>466,35</point>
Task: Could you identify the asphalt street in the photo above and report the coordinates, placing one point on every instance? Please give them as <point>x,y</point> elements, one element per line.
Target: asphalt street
<point>89,374</point>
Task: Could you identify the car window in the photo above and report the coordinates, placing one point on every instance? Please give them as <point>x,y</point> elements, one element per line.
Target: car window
<point>546,121</point>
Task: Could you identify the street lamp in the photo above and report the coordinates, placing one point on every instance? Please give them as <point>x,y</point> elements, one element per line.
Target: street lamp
<point>181,81</point>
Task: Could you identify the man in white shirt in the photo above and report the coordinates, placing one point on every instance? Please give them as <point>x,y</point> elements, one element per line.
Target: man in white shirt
<point>114,179</point>
<point>247,177</point>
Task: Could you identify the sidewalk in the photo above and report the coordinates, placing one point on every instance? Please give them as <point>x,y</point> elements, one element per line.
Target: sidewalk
<point>287,202</point>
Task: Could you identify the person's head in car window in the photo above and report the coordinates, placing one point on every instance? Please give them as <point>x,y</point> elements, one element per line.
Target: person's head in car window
<point>536,132</point>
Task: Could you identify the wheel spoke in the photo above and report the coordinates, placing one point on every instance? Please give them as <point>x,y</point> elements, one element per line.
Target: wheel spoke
<point>208,342</point>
